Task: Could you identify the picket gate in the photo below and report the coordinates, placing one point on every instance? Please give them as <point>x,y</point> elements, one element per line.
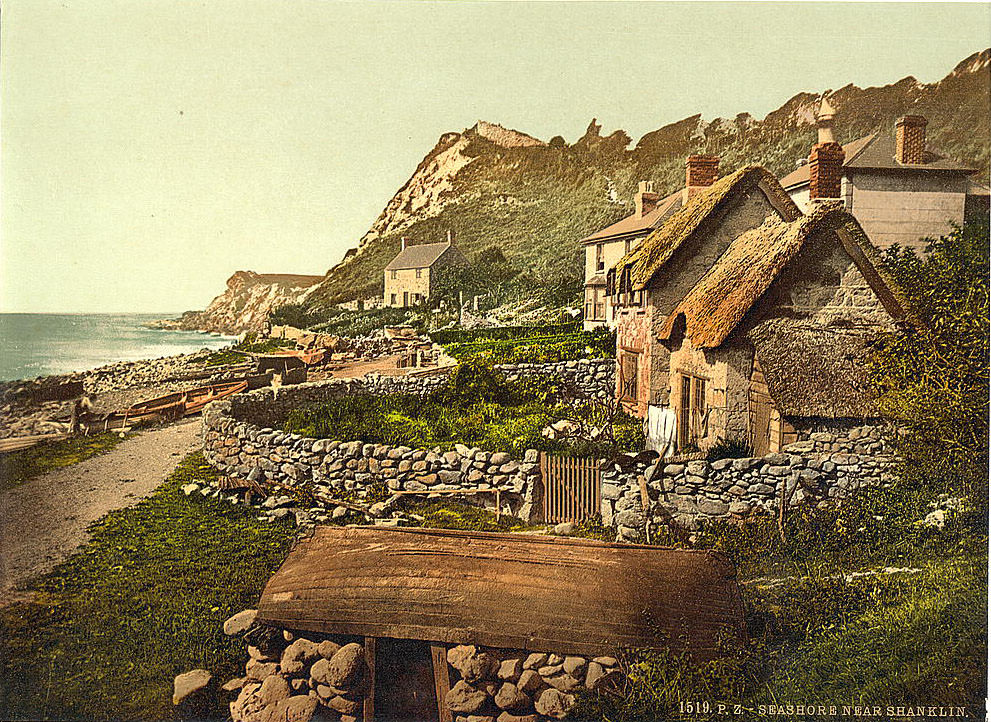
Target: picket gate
<point>571,488</point>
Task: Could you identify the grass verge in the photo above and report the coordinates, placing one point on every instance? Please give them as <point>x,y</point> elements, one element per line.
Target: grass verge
<point>17,467</point>
<point>144,600</point>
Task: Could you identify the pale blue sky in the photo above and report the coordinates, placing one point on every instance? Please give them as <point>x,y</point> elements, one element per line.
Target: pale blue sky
<point>152,147</point>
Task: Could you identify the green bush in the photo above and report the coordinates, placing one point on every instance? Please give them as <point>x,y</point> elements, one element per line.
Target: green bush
<point>476,408</point>
<point>502,333</point>
<point>536,348</point>
<point>729,449</point>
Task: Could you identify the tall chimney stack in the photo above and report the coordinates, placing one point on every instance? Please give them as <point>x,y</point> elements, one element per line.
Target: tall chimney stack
<point>701,171</point>
<point>826,159</point>
<point>402,243</point>
<point>450,236</point>
<point>645,200</point>
<point>910,139</point>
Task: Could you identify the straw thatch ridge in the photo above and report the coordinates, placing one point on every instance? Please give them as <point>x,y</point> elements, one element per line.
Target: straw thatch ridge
<point>655,250</point>
<point>815,371</point>
<point>751,263</point>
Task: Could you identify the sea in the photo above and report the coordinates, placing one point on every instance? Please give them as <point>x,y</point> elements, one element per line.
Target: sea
<point>40,344</point>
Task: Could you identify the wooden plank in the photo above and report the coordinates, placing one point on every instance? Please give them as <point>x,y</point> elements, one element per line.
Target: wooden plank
<point>442,682</point>
<point>368,710</point>
<point>516,591</point>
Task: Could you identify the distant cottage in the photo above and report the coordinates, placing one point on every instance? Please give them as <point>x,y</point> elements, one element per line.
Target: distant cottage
<point>409,275</point>
<point>750,318</point>
<point>896,185</point>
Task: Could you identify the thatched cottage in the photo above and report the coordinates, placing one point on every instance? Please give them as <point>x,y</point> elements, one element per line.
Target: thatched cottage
<point>749,317</point>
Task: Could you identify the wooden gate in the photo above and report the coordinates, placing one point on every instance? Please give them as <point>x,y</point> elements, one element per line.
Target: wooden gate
<point>571,488</point>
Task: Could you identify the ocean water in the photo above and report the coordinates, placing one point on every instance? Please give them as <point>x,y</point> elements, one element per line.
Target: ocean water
<point>39,344</point>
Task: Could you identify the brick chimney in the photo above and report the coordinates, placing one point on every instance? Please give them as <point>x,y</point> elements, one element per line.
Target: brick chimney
<point>701,171</point>
<point>645,199</point>
<point>826,159</point>
<point>910,139</point>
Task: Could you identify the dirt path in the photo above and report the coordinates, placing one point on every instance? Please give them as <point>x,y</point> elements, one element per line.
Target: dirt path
<point>44,520</point>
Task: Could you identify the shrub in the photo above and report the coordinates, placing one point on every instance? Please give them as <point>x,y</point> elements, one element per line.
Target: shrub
<point>729,449</point>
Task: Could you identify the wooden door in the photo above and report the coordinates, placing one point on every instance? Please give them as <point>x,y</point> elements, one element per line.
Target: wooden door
<point>760,423</point>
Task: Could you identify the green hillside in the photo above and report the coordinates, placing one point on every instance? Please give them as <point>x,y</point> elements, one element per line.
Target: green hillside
<point>535,201</point>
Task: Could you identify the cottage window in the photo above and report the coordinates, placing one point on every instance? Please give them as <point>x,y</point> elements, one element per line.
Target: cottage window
<point>629,362</point>
<point>393,275</point>
<point>600,261</point>
<point>626,246</point>
<point>393,302</point>
<point>419,272</point>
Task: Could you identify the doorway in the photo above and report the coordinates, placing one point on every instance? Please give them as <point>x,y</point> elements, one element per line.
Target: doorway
<point>404,681</point>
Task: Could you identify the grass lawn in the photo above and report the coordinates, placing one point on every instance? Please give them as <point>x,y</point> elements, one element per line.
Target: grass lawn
<point>16,467</point>
<point>143,601</point>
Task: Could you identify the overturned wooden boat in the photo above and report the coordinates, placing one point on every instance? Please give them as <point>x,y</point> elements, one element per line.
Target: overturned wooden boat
<point>512,591</point>
<point>162,408</point>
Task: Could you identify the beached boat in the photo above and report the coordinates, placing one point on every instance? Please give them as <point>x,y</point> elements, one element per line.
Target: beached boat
<point>162,408</point>
<point>309,356</point>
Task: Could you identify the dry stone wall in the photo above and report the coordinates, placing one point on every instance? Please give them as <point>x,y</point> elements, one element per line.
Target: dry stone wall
<point>582,379</point>
<point>246,449</point>
<point>825,467</point>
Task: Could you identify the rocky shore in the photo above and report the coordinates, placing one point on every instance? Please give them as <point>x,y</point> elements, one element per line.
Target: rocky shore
<point>44,405</point>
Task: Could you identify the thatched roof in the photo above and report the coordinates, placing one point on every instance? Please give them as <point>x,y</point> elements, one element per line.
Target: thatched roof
<point>813,370</point>
<point>655,250</point>
<point>515,591</point>
<point>751,263</point>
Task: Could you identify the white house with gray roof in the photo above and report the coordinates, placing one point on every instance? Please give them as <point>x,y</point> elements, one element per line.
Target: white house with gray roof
<point>898,187</point>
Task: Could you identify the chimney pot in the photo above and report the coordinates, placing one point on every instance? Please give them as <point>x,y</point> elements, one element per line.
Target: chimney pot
<point>824,122</point>
<point>645,200</point>
<point>701,171</point>
<point>910,139</point>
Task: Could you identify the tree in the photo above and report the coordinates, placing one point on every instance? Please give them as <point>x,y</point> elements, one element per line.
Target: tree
<point>934,379</point>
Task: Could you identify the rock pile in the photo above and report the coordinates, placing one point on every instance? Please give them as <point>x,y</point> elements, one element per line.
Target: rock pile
<point>326,677</point>
<point>296,678</point>
<point>507,686</point>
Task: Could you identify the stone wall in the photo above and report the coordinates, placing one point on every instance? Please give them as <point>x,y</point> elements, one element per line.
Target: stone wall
<point>825,467</point>
<point>582,379</point>
<point>240,439</point>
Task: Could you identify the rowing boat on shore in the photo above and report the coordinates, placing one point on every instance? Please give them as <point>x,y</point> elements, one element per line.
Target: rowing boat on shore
<point>162,408</point>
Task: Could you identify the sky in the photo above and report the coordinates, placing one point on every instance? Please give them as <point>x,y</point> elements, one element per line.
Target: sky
<point>150,148</point>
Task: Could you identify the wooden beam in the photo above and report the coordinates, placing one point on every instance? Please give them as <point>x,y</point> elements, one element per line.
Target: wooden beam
<point>442,681</point>
<point>368,713</point>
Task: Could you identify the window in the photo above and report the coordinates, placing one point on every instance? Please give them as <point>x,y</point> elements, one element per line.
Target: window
<point>692,411</point>
<point>600,261</point>
<point>393,275</point>
<point>393,301</point>
<point>626,246</point>
<point>419,272</point>
<point>629,362</point>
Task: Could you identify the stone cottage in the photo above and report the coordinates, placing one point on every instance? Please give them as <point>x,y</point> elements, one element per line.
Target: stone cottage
<point>409,275</point>
<point>896,185</point>
<point>751,318</point>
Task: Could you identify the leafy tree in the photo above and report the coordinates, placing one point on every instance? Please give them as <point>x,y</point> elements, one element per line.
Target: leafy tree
<point>487,274</point>
<point>934,379</point>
